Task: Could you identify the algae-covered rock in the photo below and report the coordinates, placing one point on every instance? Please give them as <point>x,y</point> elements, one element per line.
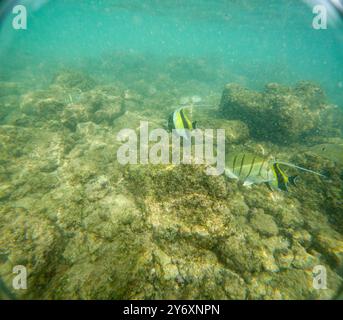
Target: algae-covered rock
<point>284,258</point>
<point>9,88</point>
<point>41,104</point>
<point>279,114</point>
<point>331,245</point>
<point>303,237</point>
<point>264,224</point>
<point>331,121</point>
<point>87,227</point>
<point>238,207</point>
<point>290,217</point>
<point>303,259</point>
<point>235,131</point>
<point>31,230</point>
<point>331,151</point>
<point>74,114</point>
<point>105,104</point>
<point>311,94</point>
<point>74,79</point>
<point>67,105</point>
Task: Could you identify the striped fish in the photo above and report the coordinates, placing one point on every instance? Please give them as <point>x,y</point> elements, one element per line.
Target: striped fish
<point>252,169</point>
<point>180,122</point>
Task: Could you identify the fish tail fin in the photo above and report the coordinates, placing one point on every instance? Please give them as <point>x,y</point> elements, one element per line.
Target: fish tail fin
<point>293,180</point>
<point>300,168</point>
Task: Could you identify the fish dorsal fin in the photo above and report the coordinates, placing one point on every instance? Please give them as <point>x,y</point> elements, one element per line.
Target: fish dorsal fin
<point>183,108</point>
<point>300,168</point>
<point>177,119</point>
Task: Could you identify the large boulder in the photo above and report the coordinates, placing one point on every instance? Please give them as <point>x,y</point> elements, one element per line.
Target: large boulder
<point>236,131</point>
<point>278,113</point>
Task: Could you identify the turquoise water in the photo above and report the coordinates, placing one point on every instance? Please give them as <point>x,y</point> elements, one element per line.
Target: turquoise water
<point>86,227</point>
<point>261,41</point>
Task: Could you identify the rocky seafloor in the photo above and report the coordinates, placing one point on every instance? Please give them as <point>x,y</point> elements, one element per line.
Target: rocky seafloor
<point>86,227</point>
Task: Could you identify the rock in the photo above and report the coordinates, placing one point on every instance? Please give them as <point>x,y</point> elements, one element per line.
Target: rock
<point>276,243</point>
<point>97,188</point>
<point>73,115</point>
<point>331,121</point>
<point>235,131</point>
<point>242,257</point>
<point>293,283</point>
<point>105,105</point>
<point>9,88</point>
<point>302,259</point>
<point>311,94</point>
<point>170,271</point>
<point>269,264</point>
<point>74,79</point>
<point>90,228</point>
<point>279,114</point>
<point>39,105</point>
<point>31,231</point>
<point>291,217</point>
<point>284,258</point>
<point>238,206</point>
<point>108,114</point>
<point>264,224</point>
<point>233,285</point>
<point>303,237</point>
<point>330,243</point>
<point>5,191</point>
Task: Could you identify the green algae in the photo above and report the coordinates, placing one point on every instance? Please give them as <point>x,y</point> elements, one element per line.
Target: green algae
<point>279,114</point>
<point>88,228</point>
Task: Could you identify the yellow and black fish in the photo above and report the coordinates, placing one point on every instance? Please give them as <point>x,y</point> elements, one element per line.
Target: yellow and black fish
<point>180,122</point>
<point>252,169</point>
<point>281,180</point>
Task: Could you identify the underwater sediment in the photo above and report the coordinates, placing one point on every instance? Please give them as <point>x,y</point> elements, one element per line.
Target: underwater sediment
<point>88,228</point>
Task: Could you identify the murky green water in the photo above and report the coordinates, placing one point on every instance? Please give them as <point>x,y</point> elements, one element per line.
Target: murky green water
<point>83,226</point>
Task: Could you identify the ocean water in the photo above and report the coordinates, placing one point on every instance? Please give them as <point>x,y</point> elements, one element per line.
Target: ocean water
<point>83,226</point>
<point>251,39</point>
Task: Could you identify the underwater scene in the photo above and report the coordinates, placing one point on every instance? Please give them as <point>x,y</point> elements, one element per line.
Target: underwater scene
<point>171,149</point>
